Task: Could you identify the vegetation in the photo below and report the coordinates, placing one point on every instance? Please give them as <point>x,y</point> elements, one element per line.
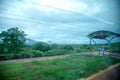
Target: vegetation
<point>42,46</point>
<point>12,46</point>
<point>69,68</point>
<point>115,47</point>
<point>37,50</point>
<point>12,40</point>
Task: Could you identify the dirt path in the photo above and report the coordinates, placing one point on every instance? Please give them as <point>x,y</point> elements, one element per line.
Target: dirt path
<point>44,58</point>
<point>47,57</point>
<point>31,59</point>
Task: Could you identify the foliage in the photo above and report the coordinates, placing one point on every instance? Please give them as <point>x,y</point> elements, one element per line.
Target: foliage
<point>54,46</point>
<point>1,48</point>
<point>41,46</point>
<point>67,47</point>
<point>13,39</point>
<point>56,52</point>
<point>38,50</point>
<point>7,56</point>
<point>38,53</point>
<point>70,68</point>
<point>27,52</point>
<point>84,48</point>
<point>115,47</point>
<point>12,46</point>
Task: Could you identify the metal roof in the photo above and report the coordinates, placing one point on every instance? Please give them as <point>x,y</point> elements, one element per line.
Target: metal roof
<point>102,34</point>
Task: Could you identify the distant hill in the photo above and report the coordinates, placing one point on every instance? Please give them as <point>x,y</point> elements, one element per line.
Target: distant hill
<point>30,42</point>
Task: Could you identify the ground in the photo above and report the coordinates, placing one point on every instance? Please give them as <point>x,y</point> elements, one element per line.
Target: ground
<point>111,74</point>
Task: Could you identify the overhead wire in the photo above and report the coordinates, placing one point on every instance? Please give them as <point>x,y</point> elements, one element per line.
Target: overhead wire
<point>31,18</point>
<point>30,22</point>
<point>92,17</point>
<point>21,18</point>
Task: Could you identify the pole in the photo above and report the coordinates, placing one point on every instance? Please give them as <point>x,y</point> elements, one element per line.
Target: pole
<point>96,46</point>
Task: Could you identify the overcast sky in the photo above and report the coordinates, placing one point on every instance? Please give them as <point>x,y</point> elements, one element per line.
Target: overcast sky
<point>60,21</point>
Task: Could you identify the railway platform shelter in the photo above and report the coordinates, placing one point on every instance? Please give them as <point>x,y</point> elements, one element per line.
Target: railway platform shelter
<point>108,36</point>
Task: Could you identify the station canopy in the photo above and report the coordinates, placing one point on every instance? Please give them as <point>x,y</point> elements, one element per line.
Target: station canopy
<point>102,34</point>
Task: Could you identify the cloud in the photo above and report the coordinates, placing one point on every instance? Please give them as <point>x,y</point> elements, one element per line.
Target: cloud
<point>69,24</point>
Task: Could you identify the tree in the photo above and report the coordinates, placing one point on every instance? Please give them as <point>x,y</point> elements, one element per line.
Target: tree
<point>68,47</point>
<point>42,46</point>
<point>13,40</point>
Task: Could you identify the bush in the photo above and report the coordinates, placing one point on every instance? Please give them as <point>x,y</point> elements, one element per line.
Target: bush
<point>41,46</point>
<point>37,53</point>
<point>1,48</point>
<point>84,48</point>
<point>115,47</point>
<point>8,56</point>
<point>56,52</point>
<point>26,52</point>
<point>44,49</point>
<point>68,47</point>
<point>54,46</point>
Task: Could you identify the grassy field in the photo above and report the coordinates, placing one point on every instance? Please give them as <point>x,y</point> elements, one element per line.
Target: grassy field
<point>70,68</point>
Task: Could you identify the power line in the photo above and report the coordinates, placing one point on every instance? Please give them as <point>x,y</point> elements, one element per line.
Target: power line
<point>98,19</point>
<point>20,18</point>
<point>14,19</point>
<point>33,19</point>
<point>30,22</point>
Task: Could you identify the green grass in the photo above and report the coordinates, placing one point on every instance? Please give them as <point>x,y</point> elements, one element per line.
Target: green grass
<point>70,68</point>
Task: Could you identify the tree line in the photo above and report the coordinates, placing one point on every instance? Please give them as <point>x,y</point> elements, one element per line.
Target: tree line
<point>12,46</point>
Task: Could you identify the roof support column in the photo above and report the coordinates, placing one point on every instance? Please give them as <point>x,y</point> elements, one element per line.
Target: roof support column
<point>96,46</point>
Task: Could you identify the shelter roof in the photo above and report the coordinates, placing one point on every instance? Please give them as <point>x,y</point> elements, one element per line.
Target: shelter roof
<point>102,34</point>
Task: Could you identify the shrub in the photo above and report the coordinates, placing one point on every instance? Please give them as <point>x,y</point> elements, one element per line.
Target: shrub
<point>41,46</point>
<point>8,56</point>
<point>26,52</point>
<point>37,53</point>
<point>54,46</point>
<point>1,48</point>
<point>17,56</point>
<point>115,47</point>
<point>56,52</point>
<point>68,47</point>
<point>84,48</point>
<point>77,50</point>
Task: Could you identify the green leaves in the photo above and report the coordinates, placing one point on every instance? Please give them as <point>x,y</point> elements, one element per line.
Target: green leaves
<point>41,46</point>
<point>13,39</point>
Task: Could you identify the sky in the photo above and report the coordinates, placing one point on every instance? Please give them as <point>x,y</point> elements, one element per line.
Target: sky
<point>60,21</point>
